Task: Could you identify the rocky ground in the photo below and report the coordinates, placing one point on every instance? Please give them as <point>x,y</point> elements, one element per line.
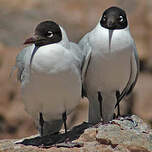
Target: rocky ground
<point>128,134</point>
<point>17,21</point>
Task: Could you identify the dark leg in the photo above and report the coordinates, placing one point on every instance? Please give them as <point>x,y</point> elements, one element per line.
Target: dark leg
<point>100,102</point>
<point>64,118</point>
<point>114,116</point>
<point>118,107</point>
<point>41,121</point>
<point>118,111</point>
<point>67,140</point>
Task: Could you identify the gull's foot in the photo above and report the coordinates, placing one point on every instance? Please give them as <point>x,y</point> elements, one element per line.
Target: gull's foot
<point>126,118</point>
<point>129,119</point>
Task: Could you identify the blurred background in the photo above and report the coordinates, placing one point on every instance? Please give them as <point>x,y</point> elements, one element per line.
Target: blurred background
<point>18,19</point>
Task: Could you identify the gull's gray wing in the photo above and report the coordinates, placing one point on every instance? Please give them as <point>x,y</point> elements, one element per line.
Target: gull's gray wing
<point>21,61</point>
<point>137,73</point>
<point>86,52</point>
<point>84,68</point>
<point>82,61</point>
<point>77,53</point>
<point>85,64</point>
<point>134,72</point>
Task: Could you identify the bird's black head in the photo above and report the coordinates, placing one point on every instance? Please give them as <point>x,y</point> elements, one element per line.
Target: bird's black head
<point>114,18</point>
<point>47,32</point>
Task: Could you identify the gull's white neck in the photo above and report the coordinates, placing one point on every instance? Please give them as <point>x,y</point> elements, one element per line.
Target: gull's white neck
<point>110,40</point>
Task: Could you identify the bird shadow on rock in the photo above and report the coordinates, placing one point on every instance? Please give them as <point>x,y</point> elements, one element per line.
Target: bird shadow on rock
<point>60,139</point>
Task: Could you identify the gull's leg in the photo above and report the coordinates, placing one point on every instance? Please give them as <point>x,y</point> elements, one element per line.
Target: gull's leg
<point>118,107</point>
<point>100,102</point>
<point>64,118</point>
<point>67,141</point>
<point>41,122</point>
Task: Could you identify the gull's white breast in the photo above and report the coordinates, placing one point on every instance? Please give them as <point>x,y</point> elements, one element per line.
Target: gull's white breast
<point>55,83</point>
<point>109,68</point>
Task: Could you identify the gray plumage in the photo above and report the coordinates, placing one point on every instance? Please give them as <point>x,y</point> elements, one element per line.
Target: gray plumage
<point>114,64</point>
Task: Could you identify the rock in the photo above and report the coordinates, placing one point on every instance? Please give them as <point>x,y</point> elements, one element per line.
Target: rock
<point>129,134</point>
<point>77,17</point>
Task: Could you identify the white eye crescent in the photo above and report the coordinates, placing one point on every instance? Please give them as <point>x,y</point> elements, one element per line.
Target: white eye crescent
<point>50,34</point>
<point>121,19</point>
<point>104,18</point>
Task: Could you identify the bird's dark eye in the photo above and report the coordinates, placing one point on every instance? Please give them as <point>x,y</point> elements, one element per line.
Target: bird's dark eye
<point>121,19</point>
<point>104,18</point>
<point>50,34</point>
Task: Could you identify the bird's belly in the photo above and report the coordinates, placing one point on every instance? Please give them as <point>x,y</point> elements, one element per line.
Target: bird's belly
<point>108,72</point>
<point>52,94</point>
